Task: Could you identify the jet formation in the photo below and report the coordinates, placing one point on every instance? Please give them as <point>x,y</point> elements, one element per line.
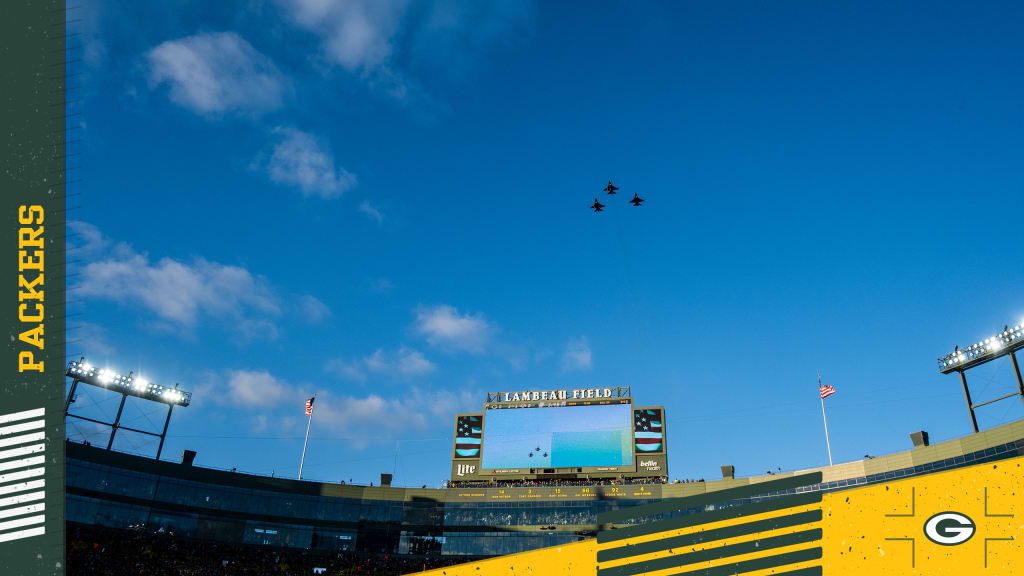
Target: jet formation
<point>611,189</point>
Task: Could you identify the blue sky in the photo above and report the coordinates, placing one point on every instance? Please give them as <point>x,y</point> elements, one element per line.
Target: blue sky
<point>385,203</point>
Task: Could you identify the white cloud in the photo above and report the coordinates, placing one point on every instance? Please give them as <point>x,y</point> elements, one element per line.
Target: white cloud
<point>89,340</point>
<point>349,369</point>
<point>373,213</point>
<point>302,160</point>
<point>371,418</point>
<point>179,293</point>
<point>361,420</point>
<point>576,355</point>
<point>406,362</point>
<point>86,238</point>
<point>215,73</point>
<point>413,362</point>
<point>313,309</point>
<point>386,41</point>
<point>254,389</point>
<point>356,34</point>
<point>381,285</point>
<point>443,326</point>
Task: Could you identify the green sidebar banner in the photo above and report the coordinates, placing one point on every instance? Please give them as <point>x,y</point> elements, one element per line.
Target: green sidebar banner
<point>32,286</point>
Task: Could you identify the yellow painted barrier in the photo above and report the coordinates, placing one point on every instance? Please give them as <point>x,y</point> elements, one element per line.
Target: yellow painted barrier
<point>960,522</point>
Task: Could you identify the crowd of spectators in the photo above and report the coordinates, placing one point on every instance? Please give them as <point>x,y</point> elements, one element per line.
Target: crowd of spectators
<point>109,552</point>
<point>562,516</point>
<point>535,483</point>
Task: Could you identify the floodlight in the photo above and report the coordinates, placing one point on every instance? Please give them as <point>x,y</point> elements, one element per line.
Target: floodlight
<point>128,385</point>
<point>1005,342</point>
<point>82,371</point>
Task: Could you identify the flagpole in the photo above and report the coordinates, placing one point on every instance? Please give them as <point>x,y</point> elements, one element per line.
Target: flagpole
<point>306,441</point>
<point>825,419</point>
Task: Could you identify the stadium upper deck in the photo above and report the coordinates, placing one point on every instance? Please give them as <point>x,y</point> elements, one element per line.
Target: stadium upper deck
<point>122,491</point>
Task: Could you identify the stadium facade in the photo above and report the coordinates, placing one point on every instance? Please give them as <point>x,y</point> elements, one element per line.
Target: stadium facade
<point>121,491</point>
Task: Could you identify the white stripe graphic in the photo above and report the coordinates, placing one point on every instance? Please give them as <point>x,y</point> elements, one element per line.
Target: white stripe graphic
<point>22,439</point>
<point>24,450</point>
<point>22,510</point>
<point>22,498</point>
<point>12,464</point>
<point>37,413</point>
<point>22,487</point>
<point>21,427</point>
<point>30,473</point>
<point>22,522</point>
<point>22,534</point>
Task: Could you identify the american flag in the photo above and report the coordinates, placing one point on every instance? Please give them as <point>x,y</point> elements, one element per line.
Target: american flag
<point>468,435</point>
<point>309,406</point>
<point>647,430</point>
<point>825,391</point>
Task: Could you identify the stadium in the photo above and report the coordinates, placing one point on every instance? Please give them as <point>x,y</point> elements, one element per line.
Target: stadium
<point>532,469</point>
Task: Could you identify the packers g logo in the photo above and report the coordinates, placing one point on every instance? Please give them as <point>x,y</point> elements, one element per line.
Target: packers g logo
<point>949,528</point>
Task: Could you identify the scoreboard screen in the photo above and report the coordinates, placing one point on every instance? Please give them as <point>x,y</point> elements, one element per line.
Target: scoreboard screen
<point>558,437</point>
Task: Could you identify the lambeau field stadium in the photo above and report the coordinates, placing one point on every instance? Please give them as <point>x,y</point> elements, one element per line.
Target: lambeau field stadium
<point>531,469</point>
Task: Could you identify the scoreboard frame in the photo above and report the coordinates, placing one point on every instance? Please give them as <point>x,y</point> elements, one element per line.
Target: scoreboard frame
<point>468,470</point>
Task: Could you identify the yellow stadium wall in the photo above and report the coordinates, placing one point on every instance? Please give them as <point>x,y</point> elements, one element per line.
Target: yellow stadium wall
<point>865,531</point>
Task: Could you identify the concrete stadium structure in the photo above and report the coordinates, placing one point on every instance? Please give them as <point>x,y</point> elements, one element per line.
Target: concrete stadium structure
<point>121,491</point>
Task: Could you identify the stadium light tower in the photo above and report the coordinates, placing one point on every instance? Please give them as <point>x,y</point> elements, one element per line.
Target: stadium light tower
<point>130,385</point>
<point>960,360</point>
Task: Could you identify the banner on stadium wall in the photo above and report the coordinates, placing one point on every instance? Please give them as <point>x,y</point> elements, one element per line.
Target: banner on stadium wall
<point>32,241</point>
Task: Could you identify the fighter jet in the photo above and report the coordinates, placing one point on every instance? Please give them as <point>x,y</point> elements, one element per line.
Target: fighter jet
<point>597,206</point>
<point>610,188</point>
<point>636,201</point>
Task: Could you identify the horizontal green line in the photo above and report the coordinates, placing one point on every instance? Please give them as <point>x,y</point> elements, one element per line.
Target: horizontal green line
<point>715,553</point>
<point>717,496</point>
<point>697,519</point>
<point>682,540</point>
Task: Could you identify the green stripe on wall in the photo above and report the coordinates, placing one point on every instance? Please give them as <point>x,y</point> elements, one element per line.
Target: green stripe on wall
<point>709,517</point>
<point>727,532</point>
<point>715,553</point>
<point>762,564</point>
<point>674,504</point>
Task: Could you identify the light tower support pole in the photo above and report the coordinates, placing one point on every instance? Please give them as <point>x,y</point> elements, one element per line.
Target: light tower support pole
<point>967,397</point>
<point>1016,372</point>
<point>71,396</point>
<point>117,422</point>
<point>163,435</point>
